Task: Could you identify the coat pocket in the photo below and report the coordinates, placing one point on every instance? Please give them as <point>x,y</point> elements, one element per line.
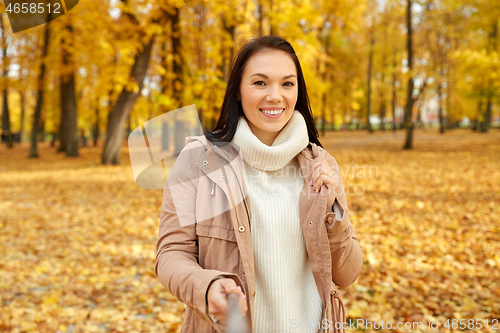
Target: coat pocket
<point>212,231</point>
<point>217,248</point>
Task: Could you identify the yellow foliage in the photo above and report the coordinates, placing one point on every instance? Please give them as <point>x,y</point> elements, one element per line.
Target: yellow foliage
<point>426,220</point>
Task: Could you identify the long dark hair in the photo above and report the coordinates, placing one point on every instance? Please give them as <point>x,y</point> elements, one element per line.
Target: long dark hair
<point>231,108</point>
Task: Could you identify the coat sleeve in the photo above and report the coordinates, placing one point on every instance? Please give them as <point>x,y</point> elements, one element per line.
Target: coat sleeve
<point>347,257</point>
<point>176,263</point>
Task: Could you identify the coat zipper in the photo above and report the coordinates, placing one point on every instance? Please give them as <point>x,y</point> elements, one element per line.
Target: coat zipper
<point>239,184</point>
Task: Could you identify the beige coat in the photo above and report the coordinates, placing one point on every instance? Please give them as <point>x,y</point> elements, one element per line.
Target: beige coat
<point>205,231</point>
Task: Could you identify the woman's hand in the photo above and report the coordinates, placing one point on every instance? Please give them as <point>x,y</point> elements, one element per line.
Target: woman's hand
<point>322,174</point>
<point>217,299</point>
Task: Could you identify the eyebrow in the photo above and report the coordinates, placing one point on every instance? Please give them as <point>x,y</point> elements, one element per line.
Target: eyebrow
<point>267,77</point>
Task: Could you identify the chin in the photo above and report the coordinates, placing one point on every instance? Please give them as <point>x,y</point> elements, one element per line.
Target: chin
<point>276,128</point>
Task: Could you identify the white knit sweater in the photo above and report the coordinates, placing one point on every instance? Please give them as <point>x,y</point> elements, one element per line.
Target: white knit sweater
<point>286,295</point>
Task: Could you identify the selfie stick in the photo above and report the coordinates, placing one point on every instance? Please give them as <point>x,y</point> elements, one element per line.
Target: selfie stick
<point>236,322</point>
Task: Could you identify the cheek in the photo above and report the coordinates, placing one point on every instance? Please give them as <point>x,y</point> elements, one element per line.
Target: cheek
<point>251,100</point>
<point>250,103</point>
<point>290,97</point>
<point>253,97</point>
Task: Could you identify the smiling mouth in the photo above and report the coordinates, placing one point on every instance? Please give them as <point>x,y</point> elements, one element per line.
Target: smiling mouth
<point>273,112</point>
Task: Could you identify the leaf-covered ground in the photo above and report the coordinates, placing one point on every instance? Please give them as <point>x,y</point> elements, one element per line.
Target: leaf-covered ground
<point>78,239</point>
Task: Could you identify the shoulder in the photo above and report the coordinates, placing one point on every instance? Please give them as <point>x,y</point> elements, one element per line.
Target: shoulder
<point>193,150</point>
<point>186,162</point>
<point>195,143</point>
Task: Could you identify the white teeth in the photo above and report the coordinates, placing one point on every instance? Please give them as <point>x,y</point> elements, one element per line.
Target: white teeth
<point>274,112</point>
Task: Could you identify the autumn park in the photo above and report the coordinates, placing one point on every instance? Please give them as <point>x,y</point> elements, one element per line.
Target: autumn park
<point>405,95</point>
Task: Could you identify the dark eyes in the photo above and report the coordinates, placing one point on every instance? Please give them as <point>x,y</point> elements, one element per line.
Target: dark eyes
<point>290,83</point>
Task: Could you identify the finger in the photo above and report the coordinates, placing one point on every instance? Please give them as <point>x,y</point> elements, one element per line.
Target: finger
<point>327,180</point>
<point>219,304</point>
<point>317,174</point>
<point>315,165</point>
<point>241,298</point>
<point>243,302</point>
<point>218,299</point>
<point>320,182</point>
<point>316,170</point>
<point>231,287</point>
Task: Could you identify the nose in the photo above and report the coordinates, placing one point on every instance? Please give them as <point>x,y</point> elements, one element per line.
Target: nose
<point>274,95</point>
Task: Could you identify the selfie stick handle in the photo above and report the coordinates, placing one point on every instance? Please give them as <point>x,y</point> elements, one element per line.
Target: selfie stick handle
<point>236,322</point>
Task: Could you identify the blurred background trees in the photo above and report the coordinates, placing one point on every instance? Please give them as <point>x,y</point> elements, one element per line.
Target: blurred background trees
<point>107,67</point>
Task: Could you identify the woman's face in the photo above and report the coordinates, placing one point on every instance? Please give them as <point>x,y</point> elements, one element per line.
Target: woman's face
<point>268,85</point>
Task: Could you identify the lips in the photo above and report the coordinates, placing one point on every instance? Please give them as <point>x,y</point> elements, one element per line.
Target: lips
<point>272,110</point>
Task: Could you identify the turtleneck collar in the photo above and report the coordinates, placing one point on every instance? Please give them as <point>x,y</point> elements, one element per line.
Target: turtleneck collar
<point>291,140</point>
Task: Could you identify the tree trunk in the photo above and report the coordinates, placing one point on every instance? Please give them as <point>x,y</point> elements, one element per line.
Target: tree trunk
<point>393,102</point>
<point>260,18</point>
<point>5,105</point>
<point>227,62</point>
<point>231,31</point>
<point>129,126</point>
<point>485,125</point>
<point>344,123</point>
<point>6,117</point>
<point>123,106</point>
<point>323,115</point>
<point>23,113</point>
<point>165,142</point>
<point>62,137</point>
<point>176,50</point>
<point>96,132</point>
<point>487,116</point>
<point>477,122</point>
<point>39,99</point>
<point>332,119</point>
<point>440,107</point>
<point>419,115</point>
<point>166,82</point>
<point>409,100</point>
<point>271,30</point>
<point>178,77</point>
<point>369,83</point>
<point>201,60</point>
<point>53,141</point>
<point>179,137</point>
<point>439,81</point>
<point>382,111</point>
<point>68,98</point>
<point>166,86</point>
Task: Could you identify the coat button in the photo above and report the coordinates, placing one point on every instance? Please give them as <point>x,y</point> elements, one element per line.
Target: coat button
<point>241,228</point>
<point>330,220</point>
<point>205,162</point>
<point>222,178</point>
<point>333,292</point>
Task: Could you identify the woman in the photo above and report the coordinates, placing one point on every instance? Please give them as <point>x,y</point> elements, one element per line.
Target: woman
<point>257,207</point>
